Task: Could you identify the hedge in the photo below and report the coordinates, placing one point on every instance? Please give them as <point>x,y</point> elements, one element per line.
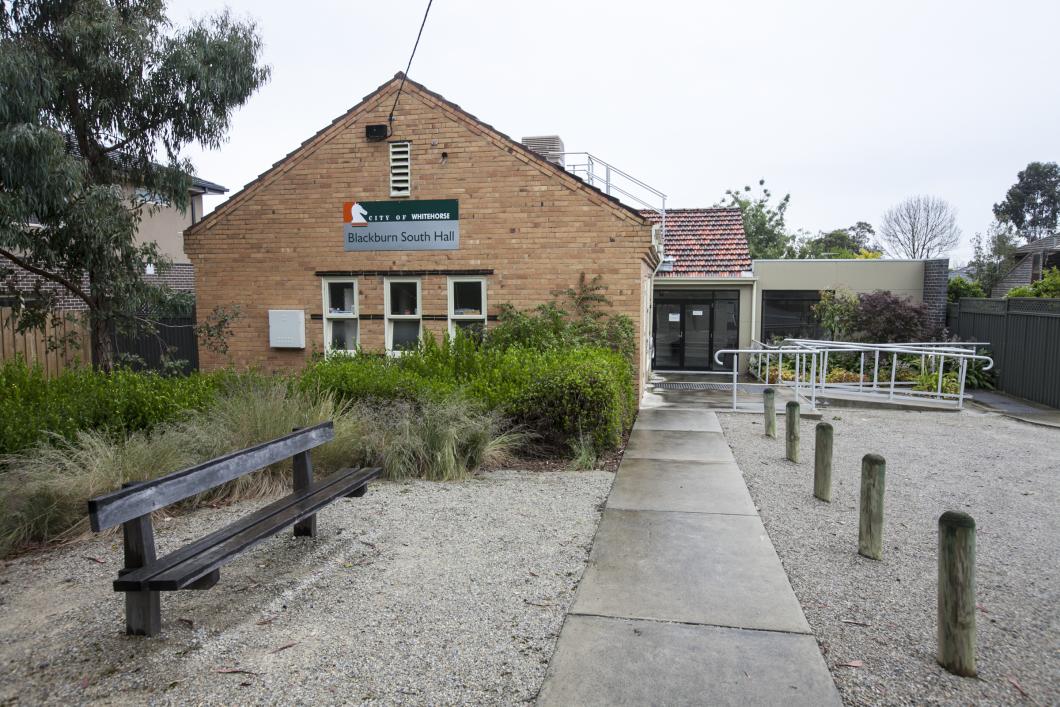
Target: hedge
<point>34,407</point>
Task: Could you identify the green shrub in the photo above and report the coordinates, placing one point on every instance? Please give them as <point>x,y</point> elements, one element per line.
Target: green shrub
<point>365,376</point>
<point>35,408</point>
<point>558,394</point>
<point>1048,286</point>
<point>575,395</point>
<point>958,288</point>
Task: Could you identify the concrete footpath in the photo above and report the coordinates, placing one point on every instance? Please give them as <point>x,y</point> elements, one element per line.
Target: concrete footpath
<point>684,600</point>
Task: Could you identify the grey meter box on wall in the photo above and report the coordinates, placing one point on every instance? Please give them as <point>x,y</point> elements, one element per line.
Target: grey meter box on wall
<point>287,328</point>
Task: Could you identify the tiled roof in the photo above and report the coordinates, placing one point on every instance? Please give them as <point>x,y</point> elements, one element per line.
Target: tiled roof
<point>704,242</point>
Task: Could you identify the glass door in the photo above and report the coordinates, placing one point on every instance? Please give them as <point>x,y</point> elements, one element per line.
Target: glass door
<point>697,336</point>
<point>726,329</point>
<point>690,327</point>
<point>669,339</point>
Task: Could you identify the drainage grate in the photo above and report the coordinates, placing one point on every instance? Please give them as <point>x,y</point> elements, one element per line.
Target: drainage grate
<point>693,386</point>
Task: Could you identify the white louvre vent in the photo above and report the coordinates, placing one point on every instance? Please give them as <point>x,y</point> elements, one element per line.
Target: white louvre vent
<point>400,169</point>
<point>548,146</point>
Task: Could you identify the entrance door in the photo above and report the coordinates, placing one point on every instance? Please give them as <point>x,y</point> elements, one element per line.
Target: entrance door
<point>669,338</point>
<point>690,327</point>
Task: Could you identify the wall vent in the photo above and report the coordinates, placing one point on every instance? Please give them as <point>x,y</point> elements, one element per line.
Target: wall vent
<point>400,169</point>
<point>548,146</point>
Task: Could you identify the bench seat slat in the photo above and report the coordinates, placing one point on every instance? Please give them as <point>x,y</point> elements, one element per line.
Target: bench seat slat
<point>117,507</point>
<point>183,567</point>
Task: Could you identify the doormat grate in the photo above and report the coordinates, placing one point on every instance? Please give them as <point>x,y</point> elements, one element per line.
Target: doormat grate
<point>693,386</point>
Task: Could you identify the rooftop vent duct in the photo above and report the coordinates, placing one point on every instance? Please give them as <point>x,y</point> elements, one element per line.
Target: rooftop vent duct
<point>548,146</point>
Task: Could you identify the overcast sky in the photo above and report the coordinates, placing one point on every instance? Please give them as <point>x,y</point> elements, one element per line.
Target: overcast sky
<point>849,106</point>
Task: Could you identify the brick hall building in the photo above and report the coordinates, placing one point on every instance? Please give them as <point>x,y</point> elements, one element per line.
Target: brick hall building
<point>368,236</point>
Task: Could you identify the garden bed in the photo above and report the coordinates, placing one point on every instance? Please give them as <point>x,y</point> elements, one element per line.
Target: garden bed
<point>420,593</point>
<point>880,616</point>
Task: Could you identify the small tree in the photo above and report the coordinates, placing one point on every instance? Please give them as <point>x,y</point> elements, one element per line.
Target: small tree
<point>838,313</point>
<point>958,287</point>
<point>99,99</point>
<point>993,254</point>
<point>920,227</point>
<point>883,317</point>
<point>763,222</point>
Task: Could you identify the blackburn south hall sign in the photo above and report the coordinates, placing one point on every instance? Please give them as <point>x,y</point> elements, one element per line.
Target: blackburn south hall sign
<point>401,225</point>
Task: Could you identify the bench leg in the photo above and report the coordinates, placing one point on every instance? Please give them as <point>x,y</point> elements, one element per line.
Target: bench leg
<point>143,614</point>
<point>143,610</point>
<point>303,479</point>
<point>357,493</point>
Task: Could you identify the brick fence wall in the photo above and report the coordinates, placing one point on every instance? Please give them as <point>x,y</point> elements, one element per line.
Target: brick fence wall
<point>180,277</point>
<point>936,280</point>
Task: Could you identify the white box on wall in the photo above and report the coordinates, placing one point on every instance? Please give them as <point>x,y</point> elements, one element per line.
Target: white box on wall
<point>287,328</point>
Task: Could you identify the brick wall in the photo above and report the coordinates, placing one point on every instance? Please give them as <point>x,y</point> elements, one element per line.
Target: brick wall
<point>936,279</point>
<point>535,227</point>
<point>180,277</point>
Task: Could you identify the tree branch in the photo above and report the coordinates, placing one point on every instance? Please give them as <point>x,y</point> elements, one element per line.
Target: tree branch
<point>46,275</point>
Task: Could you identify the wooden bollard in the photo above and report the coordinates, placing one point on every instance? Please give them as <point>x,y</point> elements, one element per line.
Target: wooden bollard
<point>791,437</point>
<point>769,403</point>
<point>870,525</point>
<point>822,462</point>
<point>956,631</point>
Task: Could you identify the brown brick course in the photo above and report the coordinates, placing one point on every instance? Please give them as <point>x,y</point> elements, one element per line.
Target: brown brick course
<point>533,225</point>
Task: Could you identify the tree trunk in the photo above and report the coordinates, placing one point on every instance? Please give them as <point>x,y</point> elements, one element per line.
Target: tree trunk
<point>102,345</point>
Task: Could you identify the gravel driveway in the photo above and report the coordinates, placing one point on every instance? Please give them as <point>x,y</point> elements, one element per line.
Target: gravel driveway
<point>1004,473</point>
<point>418,593</point>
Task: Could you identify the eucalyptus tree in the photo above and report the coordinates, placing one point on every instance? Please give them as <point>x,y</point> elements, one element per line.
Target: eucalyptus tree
<point>100,99</point>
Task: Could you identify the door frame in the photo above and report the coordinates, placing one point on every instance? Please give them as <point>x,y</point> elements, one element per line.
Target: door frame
<point>703,298</point>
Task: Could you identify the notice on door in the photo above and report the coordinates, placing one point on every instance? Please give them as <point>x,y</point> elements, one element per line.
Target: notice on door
<point>675,317</point>
<point>401,225</point>
<point>697,312</point>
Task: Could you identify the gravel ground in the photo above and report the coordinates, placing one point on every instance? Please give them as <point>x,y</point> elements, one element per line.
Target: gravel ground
<point>1002,472</point>
<point>418,593</point>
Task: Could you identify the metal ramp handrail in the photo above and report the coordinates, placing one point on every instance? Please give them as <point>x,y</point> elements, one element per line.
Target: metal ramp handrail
<point>811,357</point>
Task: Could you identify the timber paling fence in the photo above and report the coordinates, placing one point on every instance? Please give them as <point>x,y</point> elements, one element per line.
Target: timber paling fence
<point>1024,336</point>
<point>174,339</point>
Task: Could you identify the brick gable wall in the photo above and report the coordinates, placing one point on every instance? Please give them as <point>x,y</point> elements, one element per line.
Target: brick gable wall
<point>534,228</point>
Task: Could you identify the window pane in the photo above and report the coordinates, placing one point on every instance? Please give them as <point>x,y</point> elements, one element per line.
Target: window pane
<point>406,334</point>
<point>403,298</point>
<point>343,334</point>
<point>340,297</point>
<point>473,328</point>
<point>467,298</point>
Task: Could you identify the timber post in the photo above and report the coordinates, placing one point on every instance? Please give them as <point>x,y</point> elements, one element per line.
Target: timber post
<point>769,403</point>
<point>822,462</point>
<point>791,437</point>
<point>956,593</point>
<point>870,521</point>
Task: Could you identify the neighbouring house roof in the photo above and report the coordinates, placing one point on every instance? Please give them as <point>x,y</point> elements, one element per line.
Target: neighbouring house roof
<point>198,186</point>
<point>201,185</point>
<point>704,242</point>
<point>1040,245</point>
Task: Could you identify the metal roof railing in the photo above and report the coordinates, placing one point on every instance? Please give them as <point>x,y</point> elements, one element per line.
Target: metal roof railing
<point>614,182</point>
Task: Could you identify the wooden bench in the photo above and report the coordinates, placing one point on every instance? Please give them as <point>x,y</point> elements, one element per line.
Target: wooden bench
<point>197,566</point>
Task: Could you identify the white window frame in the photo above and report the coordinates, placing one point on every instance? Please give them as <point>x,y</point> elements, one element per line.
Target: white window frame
<point>391,318</point>
<point>453,316</point>
<point>329,317</point>
<point>401,169</point>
